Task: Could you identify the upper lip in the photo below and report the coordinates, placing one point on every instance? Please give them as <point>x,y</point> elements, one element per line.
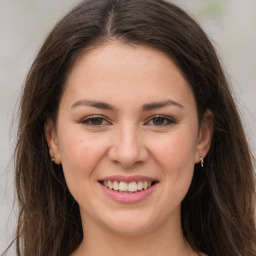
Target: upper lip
<point>128,179</point>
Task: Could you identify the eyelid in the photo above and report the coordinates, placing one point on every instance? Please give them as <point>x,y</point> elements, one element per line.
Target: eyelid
<point>169,119</point>
<point>91,117</point>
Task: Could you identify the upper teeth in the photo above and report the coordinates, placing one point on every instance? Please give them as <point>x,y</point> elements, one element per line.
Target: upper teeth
<point>127,187</point>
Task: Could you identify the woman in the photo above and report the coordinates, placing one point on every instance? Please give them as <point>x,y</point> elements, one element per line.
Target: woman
<point>129,140</point>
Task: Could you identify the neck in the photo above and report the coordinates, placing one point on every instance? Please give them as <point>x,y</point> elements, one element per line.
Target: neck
<point>167,240</point>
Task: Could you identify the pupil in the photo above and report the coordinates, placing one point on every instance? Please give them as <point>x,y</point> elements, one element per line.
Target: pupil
<point>158,121</point>
<point>96,121</point>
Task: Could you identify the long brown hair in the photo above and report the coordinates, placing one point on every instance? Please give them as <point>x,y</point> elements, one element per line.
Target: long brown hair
<point>218,213</point>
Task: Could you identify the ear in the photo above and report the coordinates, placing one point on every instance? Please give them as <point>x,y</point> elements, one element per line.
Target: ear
<point>52,140</point>
<point>205,133</point>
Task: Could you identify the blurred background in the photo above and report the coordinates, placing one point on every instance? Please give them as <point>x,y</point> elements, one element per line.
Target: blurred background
<point>25,23</point>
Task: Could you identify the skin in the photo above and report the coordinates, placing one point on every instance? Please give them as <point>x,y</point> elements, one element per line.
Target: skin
<point>129,140</point>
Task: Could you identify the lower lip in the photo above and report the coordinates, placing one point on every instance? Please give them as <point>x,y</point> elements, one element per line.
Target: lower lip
<point>128,197</point>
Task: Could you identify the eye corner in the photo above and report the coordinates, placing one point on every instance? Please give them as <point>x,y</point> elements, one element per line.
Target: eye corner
<point>95,121</point>
<point>160,121</point>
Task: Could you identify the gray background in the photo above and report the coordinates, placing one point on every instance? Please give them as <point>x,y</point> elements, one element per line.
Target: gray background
<point>25,23</point>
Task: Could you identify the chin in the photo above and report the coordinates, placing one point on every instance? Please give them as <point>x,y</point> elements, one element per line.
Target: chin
<point>131,223</point>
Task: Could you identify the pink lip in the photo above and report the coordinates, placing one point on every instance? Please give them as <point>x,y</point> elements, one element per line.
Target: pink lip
<point>128,179</point>
<point>123,197</point>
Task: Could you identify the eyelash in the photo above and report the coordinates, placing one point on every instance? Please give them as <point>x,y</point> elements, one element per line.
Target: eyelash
<point>167,120</point>
<point>89,121</point>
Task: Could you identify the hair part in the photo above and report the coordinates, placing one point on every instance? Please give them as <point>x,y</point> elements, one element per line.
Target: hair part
<point>219,210</point>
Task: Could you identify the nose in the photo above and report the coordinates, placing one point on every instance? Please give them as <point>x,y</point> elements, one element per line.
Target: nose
<point>127,147</point>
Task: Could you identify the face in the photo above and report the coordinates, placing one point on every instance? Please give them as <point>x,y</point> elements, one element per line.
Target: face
<point>127,136</point>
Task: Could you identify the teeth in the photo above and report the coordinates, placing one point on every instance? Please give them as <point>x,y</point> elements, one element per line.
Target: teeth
<point>115,185</point>
<point>140,185</point>
<point>123,186</point>
<point>130,187</point>
<point>110,184</point>
<point>145,184</point>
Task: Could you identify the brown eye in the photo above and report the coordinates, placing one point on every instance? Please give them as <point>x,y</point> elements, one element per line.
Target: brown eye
<point>160,121</point>
<point>95,121</point>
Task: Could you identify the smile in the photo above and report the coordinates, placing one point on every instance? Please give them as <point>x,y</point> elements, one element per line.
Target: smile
<point>130,187</point>
<point>128,190</point>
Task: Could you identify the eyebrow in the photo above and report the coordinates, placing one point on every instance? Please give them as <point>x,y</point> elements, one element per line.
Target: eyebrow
<point>161,104</point>
<point>93,103</point>
<point>145,107</point>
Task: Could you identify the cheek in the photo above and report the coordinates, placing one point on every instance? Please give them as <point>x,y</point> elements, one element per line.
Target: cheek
<point>177,148</point>
<point>175,155</point>
<point>80,155</point>
<point>80,158</point>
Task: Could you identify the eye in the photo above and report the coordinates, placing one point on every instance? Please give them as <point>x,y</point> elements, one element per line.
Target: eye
<point>95,121</point>
<point>160,121</point>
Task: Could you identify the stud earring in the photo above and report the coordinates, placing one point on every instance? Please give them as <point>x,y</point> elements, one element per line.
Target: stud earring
<point>201,160</point>
<point>52,159</point>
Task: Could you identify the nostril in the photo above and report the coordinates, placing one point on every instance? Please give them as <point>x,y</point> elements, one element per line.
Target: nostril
<point>127,152</point>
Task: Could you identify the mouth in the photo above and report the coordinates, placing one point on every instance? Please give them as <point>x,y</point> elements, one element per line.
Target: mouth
<point>127,187</point>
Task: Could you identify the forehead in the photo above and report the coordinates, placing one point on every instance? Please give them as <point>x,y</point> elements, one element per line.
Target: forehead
<point>139,73</point>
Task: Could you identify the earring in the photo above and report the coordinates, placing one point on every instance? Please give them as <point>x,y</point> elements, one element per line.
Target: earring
<point>52,159</point>
<point>201,160</point>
